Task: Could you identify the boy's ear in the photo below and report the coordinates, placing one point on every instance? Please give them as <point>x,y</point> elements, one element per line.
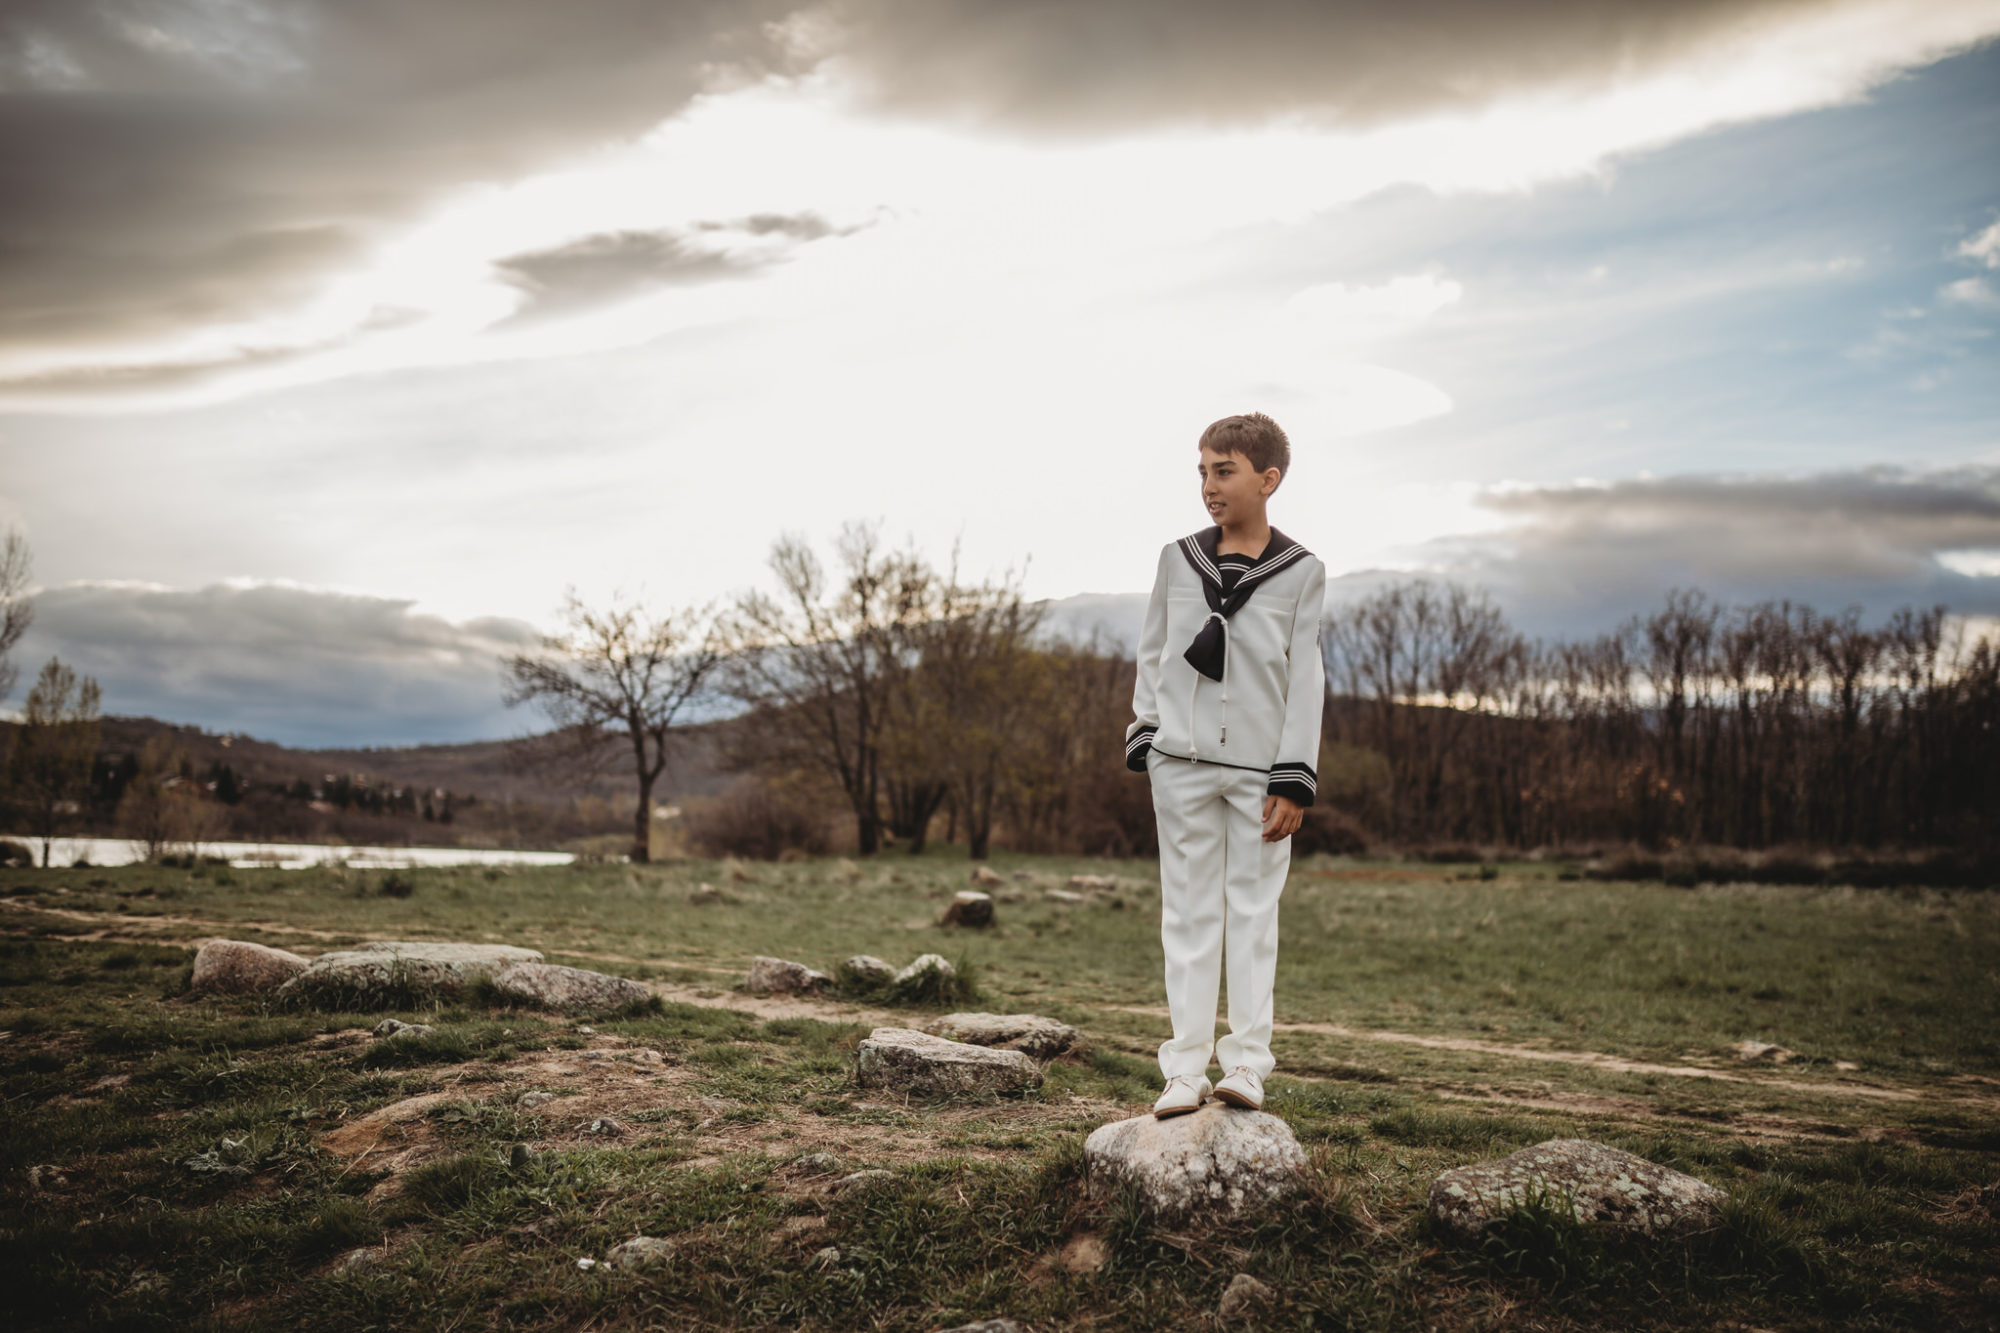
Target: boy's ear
<point>1271,479</point>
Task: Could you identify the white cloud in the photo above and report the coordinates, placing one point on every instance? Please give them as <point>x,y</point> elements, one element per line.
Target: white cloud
<point>1983,248</point>
<point>1975,292</point>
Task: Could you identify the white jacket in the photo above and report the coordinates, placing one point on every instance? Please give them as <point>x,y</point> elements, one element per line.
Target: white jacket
<point>1264,713</point>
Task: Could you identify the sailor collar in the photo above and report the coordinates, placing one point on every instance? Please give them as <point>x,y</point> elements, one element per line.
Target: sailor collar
<point>1207,653</point>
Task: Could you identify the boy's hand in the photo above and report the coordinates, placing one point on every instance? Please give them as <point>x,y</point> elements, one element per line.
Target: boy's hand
<point>1282,818</point>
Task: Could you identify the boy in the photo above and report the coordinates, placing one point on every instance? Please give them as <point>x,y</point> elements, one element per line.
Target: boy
<point>1228,715</point>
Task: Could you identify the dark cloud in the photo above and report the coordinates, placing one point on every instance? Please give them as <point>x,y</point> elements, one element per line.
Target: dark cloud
<point>613,266</point>
<point>296,665</point>
<point>174,162</point>
<point>1058,65</point>
<point>1577,559</point>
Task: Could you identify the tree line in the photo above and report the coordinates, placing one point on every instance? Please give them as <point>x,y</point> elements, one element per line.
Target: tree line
<point>907,696</point>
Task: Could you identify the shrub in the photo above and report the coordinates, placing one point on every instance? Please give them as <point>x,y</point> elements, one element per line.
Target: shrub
<point>15,854</point>
<point>395,885</point>
<point>758,820</point>
<point>1329,831</point>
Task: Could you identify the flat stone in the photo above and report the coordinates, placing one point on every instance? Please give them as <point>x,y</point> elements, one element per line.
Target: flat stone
<point>861,1180</point>
<point>355,1261</point>
<point>568,989</point>
<point>970,908</point>
<point>1603,1186</point>
<point>639,1252</point>
<point>1031,1034</point>
<point>396,1027</point>
<point>925,967</point>
<point>1091,883</point>
<point>921,1065</point>
<point>1764,1052</point>
<point>1244,1296</point>
<point>1217,1161</point>
<point>1064,896</point>
<point>389,972</point>
<point>869,970</point>
<point>530,1101</point>
<point>237,967</point>
<point>986,877</point>
<point>777,976</point>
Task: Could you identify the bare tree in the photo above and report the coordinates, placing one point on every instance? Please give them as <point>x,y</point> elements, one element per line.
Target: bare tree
<point>615,679</point>
<point>53,749</point>
<point>821,659</point>
<point>164,807</point>
<point>16,564</point>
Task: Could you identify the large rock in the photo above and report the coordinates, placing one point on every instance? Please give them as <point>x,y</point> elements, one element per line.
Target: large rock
<point>391,973</point>
<point>1031,1034</point>
<point>776,976</point>
<point>236,967</point>
<point>640,1252</point>
<point>1218,1160</point>
<point>921,1065</point>
<point>927,971</point>
<point>971,908</point>
<point>1601,1185</point>
<point>569,989</point>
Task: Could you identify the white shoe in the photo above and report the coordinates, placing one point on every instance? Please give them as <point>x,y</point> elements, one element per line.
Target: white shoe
<point>1184,1093</point>
<point>1241,1087</point>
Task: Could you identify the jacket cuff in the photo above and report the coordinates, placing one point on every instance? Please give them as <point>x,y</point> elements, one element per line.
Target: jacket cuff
<point>1297,783</point>
<point>1136,746</point>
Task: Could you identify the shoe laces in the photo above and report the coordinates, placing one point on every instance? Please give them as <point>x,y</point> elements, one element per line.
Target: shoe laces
<point>1189,1079</point>
<point>1248,1073</point>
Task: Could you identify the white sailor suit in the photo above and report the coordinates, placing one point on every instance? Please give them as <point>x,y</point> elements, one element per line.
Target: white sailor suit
<point>1228,703</point>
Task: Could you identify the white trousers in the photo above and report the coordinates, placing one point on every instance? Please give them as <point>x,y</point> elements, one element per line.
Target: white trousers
<point>1219,888</point>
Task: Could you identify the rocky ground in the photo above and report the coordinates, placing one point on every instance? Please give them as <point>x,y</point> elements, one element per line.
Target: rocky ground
<point>251,1136</point>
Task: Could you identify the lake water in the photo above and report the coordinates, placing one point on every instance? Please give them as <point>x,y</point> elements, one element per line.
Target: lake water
<point>297,855</point>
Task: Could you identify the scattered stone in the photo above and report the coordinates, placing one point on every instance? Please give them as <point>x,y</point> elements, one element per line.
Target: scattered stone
<point>817,1164</point>
<point>593,1055</point>
<point>649,1057</point>
<point>639,1252</point>
<point>717,1105</point>
<point>869,970</point>
<point>1092,883</point>
<point>861,1180</point>
<point>926,967</point>
<point>586,1031</point>
<point>986,877</point>
<point>1846,1066</point>
<point>237,967</point>
<point>604,1124</point>
<point>1764,1052</point>
<point>396,1027</point>
<point>1602,1185</point>
<point>1031,1034</point>
<point>392,973</point>
<point>529,1101</point>
<point>42,1179</point>
<point>586,1263</point>
<point>521,1156</point>
<point>1244,1296</point>
<point>846,870</point>
<point>1064,896</point>
<point>1218,1160</point>
<point>568,989</point>
<point>776,976</point>
<point>738,872</point>
<point>986,1326</point>
<point>229,1157</point>
<point>1989,1198</point>
<point>1023,876</point>
<point>356,1261</point>
<point>969,908</point>
<point>146,1281</point>
<point>110,1083</point>
<point>1083,1253</point>
<point>827,1257</point>
<point>922,1065</point>
<point>705,895</point>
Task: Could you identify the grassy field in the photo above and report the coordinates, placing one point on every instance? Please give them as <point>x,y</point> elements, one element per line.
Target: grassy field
<point>174,1162</point>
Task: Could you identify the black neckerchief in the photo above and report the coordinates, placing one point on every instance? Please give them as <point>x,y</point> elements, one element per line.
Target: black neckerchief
<point>1205,654</point>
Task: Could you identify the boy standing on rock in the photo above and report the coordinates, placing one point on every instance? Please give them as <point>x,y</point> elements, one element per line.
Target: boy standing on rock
<point>1228,704</point>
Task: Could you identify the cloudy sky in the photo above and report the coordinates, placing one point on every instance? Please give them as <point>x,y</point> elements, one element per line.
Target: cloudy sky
<point>338,337</point>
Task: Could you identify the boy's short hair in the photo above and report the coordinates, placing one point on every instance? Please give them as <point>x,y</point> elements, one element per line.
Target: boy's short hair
<point>1253,435</point>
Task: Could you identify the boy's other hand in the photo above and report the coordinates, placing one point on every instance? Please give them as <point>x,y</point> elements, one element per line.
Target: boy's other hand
<point>1282,818</point>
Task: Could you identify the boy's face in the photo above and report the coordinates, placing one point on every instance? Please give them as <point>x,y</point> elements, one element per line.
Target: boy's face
<point>1232,490</point>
